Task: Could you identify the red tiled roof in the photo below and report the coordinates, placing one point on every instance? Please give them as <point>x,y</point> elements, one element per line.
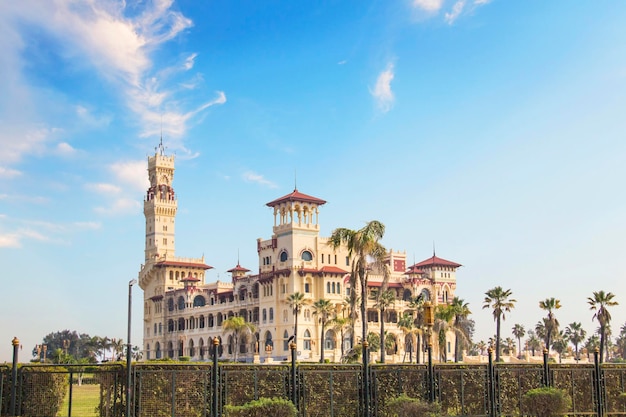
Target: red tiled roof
<point>296,196</point>
<point>435,261</point>
<point>188,264</point>
<point>238,268</point>
<point>333,270</point>
<point>190,278</point>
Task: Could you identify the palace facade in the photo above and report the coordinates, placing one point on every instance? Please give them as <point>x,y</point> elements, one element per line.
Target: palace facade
<point>183,312</point>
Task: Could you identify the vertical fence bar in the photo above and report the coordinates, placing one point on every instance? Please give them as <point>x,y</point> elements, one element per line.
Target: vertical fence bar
<point>546,374</point>
<point>69,405</point>
<point>366,382</point>
<point>215,379</point>
<point>491,397</point>
<point>598,382</point>
<point>16,343</point>
<point>431,374</point>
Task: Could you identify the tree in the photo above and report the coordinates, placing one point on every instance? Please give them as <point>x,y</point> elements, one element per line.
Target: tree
<point>417,304</point>
<point>551,323</point>
<point>406,325</point>
<point>621,342</point>
<point>444,316</point>
<point>364,249</point>
<point>460,326</point>
<point>592,343</point>
<point>384,300</point>
<point>500,301</point>
<point>296,301</point>
<point>533,342</point>
<point>509,346</point>
<point>481,346</point>
<point>340,325</point>
<point>238,327</point>
<point>323,309</point>
<point>560,344</point>
<point>518,333</point>
<point>576,335</point>
<point>600,302</point>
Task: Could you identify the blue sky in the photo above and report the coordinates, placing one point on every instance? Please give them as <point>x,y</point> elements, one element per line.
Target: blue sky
<point>493,128</point>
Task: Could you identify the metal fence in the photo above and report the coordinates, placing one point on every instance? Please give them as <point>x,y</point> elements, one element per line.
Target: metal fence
<point>163,389</point>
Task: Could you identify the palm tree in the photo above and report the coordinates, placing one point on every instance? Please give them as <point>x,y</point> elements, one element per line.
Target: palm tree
<point>540,330</point>
<point>481,346</point>
<point>340,325</point>
<point>509,345</point>
<point>384,300</point>
<point>417,304</point>
<point>575,334</point>
<point>560,344</point>
<point>519,332</point>
<point>296,301</point>
<point>461,310</point>
<point>406,325</point>
<point>239,327</point>
<point>591,344</point>
<point>323,309</point>
<point>363,247</point>
<point>600,303</point>
<point>444,316</point>
<point>550,322</point>
<point>533,342</point>
<point>499,300</point>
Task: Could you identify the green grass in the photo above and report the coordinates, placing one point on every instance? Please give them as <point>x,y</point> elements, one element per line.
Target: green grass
<point>85,399</point>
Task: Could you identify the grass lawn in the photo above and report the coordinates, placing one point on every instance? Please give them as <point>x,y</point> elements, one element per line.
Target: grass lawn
<point>85,399</point>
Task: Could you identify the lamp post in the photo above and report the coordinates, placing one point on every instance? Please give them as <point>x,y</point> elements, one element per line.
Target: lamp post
<point>429,319</point>
<point>129,346</point>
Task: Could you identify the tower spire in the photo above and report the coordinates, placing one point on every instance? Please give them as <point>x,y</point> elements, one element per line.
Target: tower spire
<point>295,179</point>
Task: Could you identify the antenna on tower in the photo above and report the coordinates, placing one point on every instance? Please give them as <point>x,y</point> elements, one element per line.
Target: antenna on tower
<point>295,179</point>
<point>433,248</point>
<point>237,256</point>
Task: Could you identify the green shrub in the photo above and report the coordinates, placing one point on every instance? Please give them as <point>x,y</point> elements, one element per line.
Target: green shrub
<point>404,406</point>
<point>621,399</point>
<point>43,391</point>
<point>546,402</point>
<point>263,407</point>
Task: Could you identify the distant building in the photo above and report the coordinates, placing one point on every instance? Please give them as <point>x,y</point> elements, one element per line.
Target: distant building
<point>183,312</point>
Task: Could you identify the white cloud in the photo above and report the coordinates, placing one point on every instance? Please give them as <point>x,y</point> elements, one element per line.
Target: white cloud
<point>428,5</point>
<point>120,206</point>
<point>88,225</point>
<point>104,188</point>
<point>451,16</point>
<point>65,149</point>
<point>190,61</point>
<point>250,176</point>
<point>382,92</point>
<point>132,173</point>
<point>9,173</point>
<point>10,241</point>
<point>481,2</point>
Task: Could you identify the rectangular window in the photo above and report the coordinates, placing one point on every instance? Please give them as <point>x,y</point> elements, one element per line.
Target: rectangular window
<point>335,259</point>
<point>307,287</point>
<point>347,261</point>
<point>322,258</point>
<point>165,241</point>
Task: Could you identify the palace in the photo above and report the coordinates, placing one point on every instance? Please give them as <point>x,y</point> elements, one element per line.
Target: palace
<point>183,312</point>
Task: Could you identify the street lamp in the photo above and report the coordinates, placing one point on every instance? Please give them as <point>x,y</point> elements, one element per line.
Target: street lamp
<point>129,346</point>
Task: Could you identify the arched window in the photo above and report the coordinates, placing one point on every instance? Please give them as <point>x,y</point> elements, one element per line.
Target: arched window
<point>181,348</point>
<point>329,339</point>
<point>307,340</point>
<point>157,350</point>
<point>199,301</point>
<point>201,322</point>
<point>181,324</point>
<point>271,314</point>
<point>192,350</point>
<point>334,287</point>
<point>230,345</point>
<point>148,351</point>
<point>406,295</point>
<point>170,350</point>
<point>328,287</point>
<point>181,303</point>
<point>307,256</point>
<point>268,340</point>
<point>220,318</point>
<point>192,323</point>
<point>284,256</point>
<point>170,325</point>
<point>264,315</point>
<point>285,341</point>
<point>211,320</point>
<point>170,304</point>
<point>425,295</point>
<point>201,348</point>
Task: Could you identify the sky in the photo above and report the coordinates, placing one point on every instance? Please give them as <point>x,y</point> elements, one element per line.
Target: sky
<point>493,130</point>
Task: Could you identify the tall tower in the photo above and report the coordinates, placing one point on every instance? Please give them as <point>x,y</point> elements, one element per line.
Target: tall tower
<point>159,207</point>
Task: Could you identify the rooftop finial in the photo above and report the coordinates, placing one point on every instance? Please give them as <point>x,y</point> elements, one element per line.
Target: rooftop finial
<point>434,249</point>
<point>237,256</point>
<point>295,179</point>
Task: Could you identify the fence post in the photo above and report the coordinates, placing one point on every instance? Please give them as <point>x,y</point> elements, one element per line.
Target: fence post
<point>546,374</point>
<point>366,382</point>
<point>294,388</point>
<point>431,373</point>
<point>16,344</point>
<point>598,382</point>
<point>215,379</point>
<point>491,384</point>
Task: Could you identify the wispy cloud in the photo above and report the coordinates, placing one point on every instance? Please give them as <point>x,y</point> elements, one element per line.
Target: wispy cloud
<point>428,5</point>
<point>253,177</point>
<point>382,92</point>
<point>23,230</point>
<point>10,240</point>
<point>190,61</point>
<point>9,172</point>
<point>453,14</point>
<point>120,206</point>
<point>103,188</point>
<point>132,173</point>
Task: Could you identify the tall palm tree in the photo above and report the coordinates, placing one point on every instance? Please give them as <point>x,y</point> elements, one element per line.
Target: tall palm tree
<point>363,247</point>
<point>600,302</point>
<point>481,346</point>
<point>518,333</point>
<point>296,300</point>
<point>238,327</point>
<point>461,311</point>
<point>417,304</point>
<point>500,301</point>
<point>575,334</point>
<point>591,344</point>
<point>550,322</point>
<point>340,325</point>
<point>533,342</point>
<point>509,345</point>
<point>384,300</point>
<point>323,309</point>
<point>560,344</point>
